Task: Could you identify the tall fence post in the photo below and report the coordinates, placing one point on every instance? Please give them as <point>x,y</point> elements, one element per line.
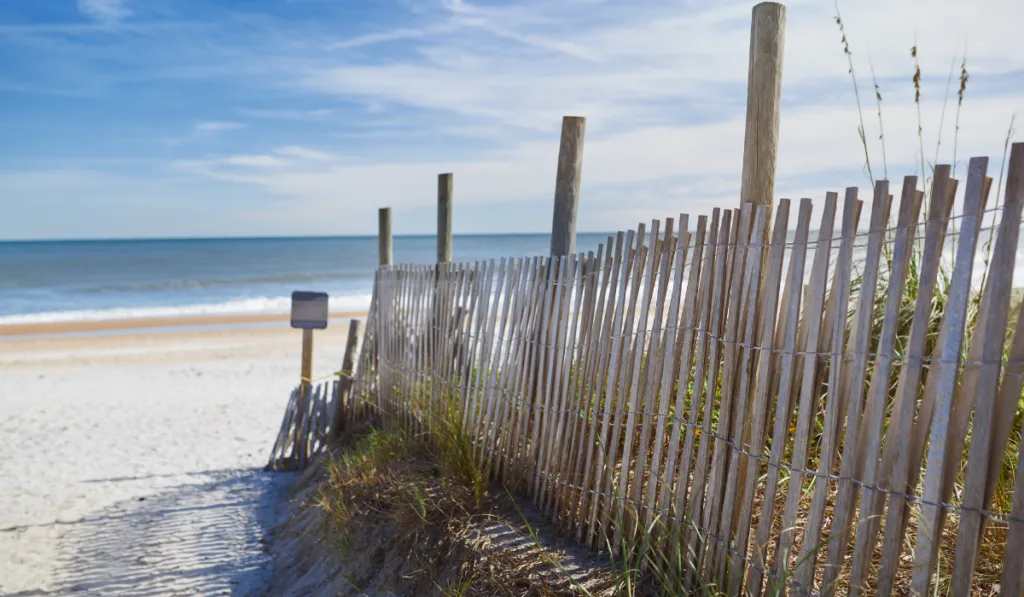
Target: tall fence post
<point>345,379</point>
<point>764,92</point>
<point>444,218</point>
<point>567,186</point>
<point>384,236</point>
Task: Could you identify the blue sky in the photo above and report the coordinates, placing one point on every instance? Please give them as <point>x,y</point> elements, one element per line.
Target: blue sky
<point>142,118</point>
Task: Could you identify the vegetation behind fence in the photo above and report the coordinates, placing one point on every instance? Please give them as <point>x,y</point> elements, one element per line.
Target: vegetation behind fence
<point>790,412</point>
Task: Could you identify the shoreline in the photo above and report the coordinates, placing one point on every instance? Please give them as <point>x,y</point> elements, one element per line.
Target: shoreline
<point>29,330</point>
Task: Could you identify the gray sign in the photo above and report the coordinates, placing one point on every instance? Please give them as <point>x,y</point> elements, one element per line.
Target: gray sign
<point>309,310</point>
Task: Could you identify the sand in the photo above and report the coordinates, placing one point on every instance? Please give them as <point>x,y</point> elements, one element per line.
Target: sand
<point>131,462</point>
<point>147,323</point>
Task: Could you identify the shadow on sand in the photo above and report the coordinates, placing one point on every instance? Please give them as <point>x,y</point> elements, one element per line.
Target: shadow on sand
<point>206,537</point>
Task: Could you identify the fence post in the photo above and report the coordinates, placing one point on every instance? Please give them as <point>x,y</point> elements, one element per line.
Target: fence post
<point>764,91</point>
<point>444,218</point>
<point>384,236</point>
<point>305,395</point>
<point>345,379</point>
<point>567,186</point>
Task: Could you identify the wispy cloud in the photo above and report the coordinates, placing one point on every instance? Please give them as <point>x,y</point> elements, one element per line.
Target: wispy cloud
<point>480,89</point>
<point>288,113</point>
<point>401,34</point>
<point>208,128</point>
<point>106,11</point>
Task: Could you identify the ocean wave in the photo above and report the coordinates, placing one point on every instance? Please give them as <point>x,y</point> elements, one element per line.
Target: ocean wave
<point>206,283</point>
<point>352,302</point>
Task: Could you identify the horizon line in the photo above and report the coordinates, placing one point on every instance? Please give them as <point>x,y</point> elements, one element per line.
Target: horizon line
<point>270,237</point>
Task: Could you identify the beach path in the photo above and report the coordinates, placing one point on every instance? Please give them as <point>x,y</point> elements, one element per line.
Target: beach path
<point>130,464</point>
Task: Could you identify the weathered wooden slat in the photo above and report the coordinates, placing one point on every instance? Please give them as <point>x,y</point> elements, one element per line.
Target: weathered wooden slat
<point>667,360</point>
<point>687,326</point>
<point>508,295</point>
<point>837,336</point>
<point>541,389</point>
<point>756,419</point>
<point>648,387</point>
<point>853,447</point>
<point>581,402</point>
<point>514,374</point>
<point>632,402</point>
<point>277,451</point>
<point>787,343</point>
<point>524,378</point>
<point>556,406</point>
<point>754,308</point>
<point>989,333</point>
<point>571,365</point>
<point>648,398</point>
<point>897,454</point>
<point>723,341</point>
<point>705,380</point>
<point>930,519</point>
<point>594,443</point>
<point>603,468</point>
<point>746,329</point>
<point>594,351</point>
<point>869,438</point>
<point>490,358</point>
<point>506,408</point>
<point>846,387</point>
<point>741,289</point>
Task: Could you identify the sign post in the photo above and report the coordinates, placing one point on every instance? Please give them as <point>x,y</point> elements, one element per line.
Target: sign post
<point>309,312</point>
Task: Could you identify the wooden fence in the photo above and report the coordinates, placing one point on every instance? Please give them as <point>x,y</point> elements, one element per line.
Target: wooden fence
<point>802,412</point>
<point>305,428</point>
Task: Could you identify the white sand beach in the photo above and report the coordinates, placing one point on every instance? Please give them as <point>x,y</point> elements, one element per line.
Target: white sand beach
<point>130,463</point>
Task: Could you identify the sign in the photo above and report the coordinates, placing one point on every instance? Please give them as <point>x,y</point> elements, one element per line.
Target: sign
<point>309,310</point>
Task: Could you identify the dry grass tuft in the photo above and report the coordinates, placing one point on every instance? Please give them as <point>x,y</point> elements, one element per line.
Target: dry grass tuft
<point>427,529</point>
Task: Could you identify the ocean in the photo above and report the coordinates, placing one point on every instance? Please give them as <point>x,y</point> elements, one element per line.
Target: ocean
<point>62,281</point>
<point>65,281</point>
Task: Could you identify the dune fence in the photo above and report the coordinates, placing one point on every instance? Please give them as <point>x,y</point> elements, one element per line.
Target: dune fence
<point>794,400</point>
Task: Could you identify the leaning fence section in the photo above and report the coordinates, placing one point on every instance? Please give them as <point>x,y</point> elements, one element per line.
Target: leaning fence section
<point>305,427</point>
<point>801,401</point>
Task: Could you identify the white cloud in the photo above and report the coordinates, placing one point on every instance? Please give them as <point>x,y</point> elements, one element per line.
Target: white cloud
<point>106,11</point>
<point>629,176</point>
<point>304,153</point>
<point>213,127</point>
<point>480,89</point>
<point>257,161</point>
<point>288,114</point>
<point>524,65</point>
<point>400,34</point>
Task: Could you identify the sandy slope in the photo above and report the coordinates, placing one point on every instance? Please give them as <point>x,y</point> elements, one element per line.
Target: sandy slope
<point>129,464</point>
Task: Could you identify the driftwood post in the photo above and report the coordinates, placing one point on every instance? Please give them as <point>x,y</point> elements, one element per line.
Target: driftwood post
<point>563,243</point>
<point>345,377</point>
<point>567,186</point>
<point>764,90</point>
<point>384,236</point>
<point>444,245</point>
<point>384,255</point>
<point>444,218</point>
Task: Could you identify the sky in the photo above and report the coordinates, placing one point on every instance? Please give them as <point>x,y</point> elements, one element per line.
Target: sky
<point>182,118</point>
